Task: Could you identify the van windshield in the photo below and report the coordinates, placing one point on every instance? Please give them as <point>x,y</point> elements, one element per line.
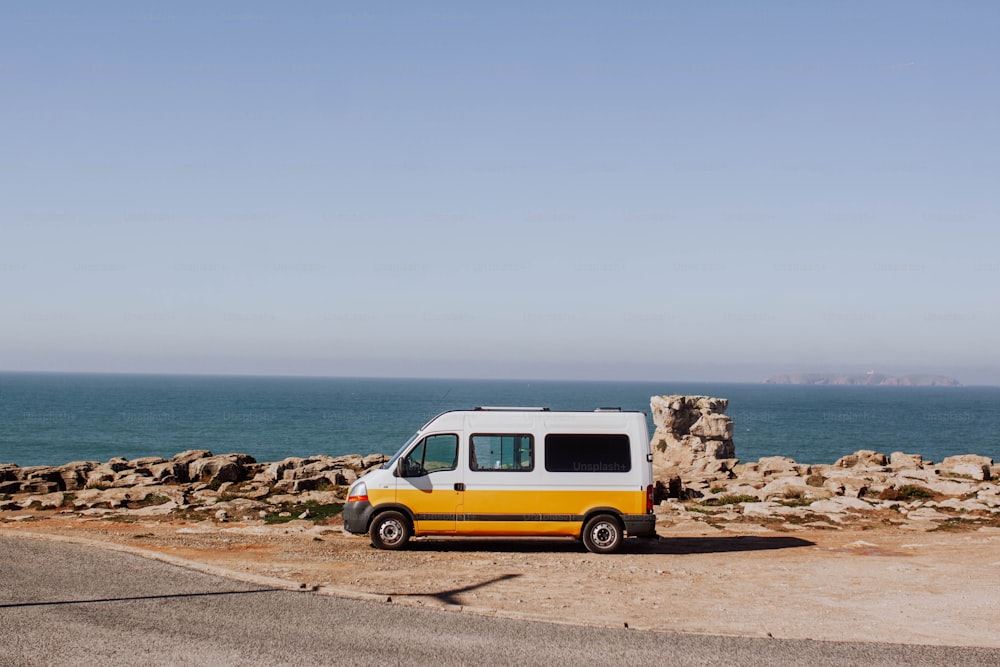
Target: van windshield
<point>388,465</point>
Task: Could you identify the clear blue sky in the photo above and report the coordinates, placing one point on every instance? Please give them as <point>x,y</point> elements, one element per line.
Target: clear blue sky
<point>661,191</point>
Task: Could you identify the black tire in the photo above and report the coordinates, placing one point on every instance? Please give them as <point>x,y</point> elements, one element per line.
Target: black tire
<point>603,534</point>
<point>390,530</point>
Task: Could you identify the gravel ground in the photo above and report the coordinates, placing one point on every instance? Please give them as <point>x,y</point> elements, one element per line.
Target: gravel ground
<point>862,583</point>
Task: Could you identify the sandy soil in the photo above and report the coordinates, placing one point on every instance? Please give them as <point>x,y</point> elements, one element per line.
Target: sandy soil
<point>881,584</point>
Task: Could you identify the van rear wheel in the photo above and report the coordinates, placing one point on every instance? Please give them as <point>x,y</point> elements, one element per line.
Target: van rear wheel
<point>390,530</point>
<point>602,534</point>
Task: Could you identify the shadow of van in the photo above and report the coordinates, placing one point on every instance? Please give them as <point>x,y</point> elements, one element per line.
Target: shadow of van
<point>631,546</point>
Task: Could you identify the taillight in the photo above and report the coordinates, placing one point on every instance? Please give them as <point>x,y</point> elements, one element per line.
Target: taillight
<point>649,499</point>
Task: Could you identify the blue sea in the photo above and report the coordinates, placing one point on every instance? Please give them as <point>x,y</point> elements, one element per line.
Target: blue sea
<point>50,419</point>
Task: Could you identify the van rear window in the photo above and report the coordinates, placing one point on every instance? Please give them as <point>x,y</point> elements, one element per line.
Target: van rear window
<point>587,452</point>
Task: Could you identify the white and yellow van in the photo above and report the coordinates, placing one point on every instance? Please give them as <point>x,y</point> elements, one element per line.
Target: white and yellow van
<point>513,472</point>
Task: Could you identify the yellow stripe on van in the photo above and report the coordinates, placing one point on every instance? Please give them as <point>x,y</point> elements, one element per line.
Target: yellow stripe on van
<point>568,502</point>
<point>517,512</point>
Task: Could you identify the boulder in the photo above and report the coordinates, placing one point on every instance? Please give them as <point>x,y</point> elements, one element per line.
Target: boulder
<point>154,510</point>
<point>864,458</point>
<point>901,461</point>
<point>839,505</point>
<point>968,465</point>
<point>145,463</point>
<point>317,483</point>
<point>780,466</point>
<point>9,472</point>
<point>13,486</point>
<point>74,475</point>
<point>45,501</point>
<point>215,470</point>
<point>770,510</point>
<point>38,487</point>
<point>185,458</point>
<point>791,487</point>
<point>41,474</point>
<point>130,479</point>
<point>169,472</point>
<point>102,475</point>
<point>118,463</point>
<point>850,485</point>
<point>372,461</point>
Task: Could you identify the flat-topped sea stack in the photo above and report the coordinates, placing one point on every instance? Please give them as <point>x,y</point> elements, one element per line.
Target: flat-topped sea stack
<point>870,379</point>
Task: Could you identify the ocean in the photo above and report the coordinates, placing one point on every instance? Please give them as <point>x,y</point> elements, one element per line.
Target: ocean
<point>50,419</point>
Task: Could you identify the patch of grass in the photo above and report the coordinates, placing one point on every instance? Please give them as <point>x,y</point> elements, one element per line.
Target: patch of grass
<point>815,480</point>
<point>731,499</point>
<point>152,499</point>
<point>718,489</point>
<point>234,491</point>
<point>795,498</point>
<point>317,512</point>
<point>68,499</point>
<point>907,492</point>
<point>188,513</point>
<point>957,475</point>
<point>955,524</point>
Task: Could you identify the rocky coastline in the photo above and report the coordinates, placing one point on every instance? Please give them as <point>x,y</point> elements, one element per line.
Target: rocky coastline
<point>195,483</point>
<point>698,478</point>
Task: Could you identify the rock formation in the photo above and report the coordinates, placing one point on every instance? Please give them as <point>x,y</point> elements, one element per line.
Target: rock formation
<point>692,444</point>
<point>694,462</point>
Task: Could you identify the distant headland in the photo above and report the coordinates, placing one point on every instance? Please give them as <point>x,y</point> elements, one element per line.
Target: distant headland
<point>870,378</point>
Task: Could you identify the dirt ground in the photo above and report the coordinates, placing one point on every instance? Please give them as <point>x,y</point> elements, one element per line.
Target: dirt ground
<point>880,584</point>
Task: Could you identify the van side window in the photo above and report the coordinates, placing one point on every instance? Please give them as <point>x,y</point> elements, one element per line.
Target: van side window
<point>587,452</point>
<point>434,454</point>
<point>496,451</point>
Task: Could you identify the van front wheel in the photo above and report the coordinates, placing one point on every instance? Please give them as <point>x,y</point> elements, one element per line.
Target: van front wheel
<point>602,534</point>
<point>390,530</point>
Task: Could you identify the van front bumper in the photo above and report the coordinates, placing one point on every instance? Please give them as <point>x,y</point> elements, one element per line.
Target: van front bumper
<point>640,525</point>
<point>357,516</point>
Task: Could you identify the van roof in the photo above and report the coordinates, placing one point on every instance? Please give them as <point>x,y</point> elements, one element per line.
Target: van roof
<point>506,408</point>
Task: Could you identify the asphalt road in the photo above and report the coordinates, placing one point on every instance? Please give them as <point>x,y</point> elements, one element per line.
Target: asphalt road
<point>63,603</point>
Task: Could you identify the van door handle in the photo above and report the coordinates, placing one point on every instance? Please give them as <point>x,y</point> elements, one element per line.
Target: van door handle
<point>459,486</point>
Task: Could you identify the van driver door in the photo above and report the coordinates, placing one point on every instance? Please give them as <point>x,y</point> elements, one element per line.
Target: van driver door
<point>431,483</point>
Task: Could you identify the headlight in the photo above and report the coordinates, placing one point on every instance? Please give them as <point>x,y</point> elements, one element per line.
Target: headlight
<point>358,493</point>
